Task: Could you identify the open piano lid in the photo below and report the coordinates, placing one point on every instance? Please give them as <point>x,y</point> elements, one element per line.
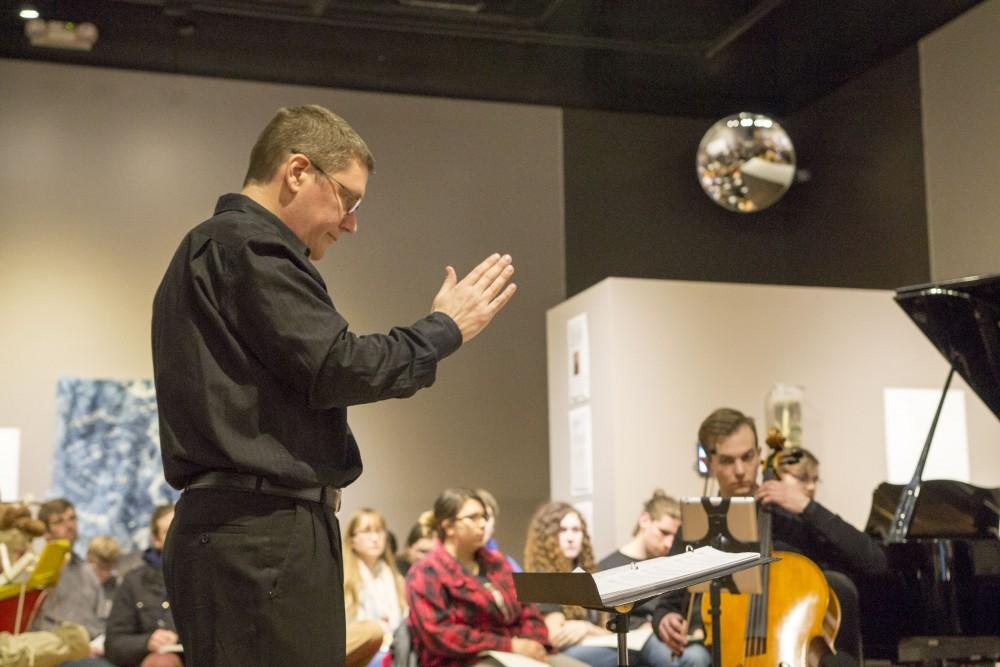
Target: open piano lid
<point>962,318</point>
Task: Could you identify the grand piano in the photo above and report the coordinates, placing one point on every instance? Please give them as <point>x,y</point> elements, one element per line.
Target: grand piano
<point>940,604</point>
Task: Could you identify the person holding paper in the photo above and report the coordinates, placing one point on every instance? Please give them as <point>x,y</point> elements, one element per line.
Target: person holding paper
<point>463,606</point>
<point>653,537</point>
<point>141,628</point>
<point>558,541</point>
<point>800,525</point>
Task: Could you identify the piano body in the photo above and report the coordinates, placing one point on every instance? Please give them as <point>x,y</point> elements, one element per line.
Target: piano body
<point>940,604</point>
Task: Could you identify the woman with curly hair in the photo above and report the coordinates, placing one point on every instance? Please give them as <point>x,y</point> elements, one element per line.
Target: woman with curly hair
<point>558,541</point>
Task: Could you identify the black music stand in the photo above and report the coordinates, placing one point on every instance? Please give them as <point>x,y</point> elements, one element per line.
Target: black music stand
<point>720,535</point>
<point>581,589</point>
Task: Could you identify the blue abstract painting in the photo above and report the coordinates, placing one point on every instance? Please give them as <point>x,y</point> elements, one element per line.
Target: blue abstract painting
<point>107,458</point>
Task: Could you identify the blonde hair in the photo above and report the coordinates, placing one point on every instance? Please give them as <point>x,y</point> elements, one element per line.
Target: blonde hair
<point>352,567</point>
<point>424,527</point>
<point>314,131</point>
<point>659,506</point>
<point>104,550</point>
<point>542,552</point>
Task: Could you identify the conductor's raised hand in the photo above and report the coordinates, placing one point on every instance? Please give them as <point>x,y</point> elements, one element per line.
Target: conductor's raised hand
<point>474,301</point>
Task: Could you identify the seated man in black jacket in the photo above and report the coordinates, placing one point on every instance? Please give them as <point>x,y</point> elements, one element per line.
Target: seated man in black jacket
<point>799,524</point>
<point>141,629</point>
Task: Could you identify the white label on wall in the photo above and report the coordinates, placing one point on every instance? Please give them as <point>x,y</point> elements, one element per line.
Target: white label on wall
<point>581,452</point>
<point>578,344</point>
<point>908,416</point>
<point>10,463</point>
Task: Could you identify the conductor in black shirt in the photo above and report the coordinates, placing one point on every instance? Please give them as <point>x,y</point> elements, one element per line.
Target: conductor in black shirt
<point>254,370</point>
<point>799,524</point>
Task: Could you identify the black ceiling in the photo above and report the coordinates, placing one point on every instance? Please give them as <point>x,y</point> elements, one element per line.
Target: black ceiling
<point>679,57</point>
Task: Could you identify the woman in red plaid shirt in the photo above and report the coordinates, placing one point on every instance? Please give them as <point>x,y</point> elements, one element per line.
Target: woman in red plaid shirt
<point>462,598</point>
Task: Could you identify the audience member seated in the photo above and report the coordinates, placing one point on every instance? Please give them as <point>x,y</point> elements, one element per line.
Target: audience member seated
<point>45,649</point>
<point>78,597</point>
<point>373,588</point>
<point>652,537</point>
<point>17,563</point>
<point>419,543</point>
<point>103,554</point>
<point>462,598</point>
<point>141,628</point>
<point>558,542</point>
<point>493,513</point>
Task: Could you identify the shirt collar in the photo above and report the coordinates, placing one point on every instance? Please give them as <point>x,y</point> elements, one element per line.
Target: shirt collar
<point>235,201</point>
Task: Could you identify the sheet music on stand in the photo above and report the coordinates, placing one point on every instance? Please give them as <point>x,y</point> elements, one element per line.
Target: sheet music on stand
<point>618,589</point>
<point>628,583</point>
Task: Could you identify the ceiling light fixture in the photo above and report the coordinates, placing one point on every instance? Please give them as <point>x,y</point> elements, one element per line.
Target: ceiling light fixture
<point>28,12</point>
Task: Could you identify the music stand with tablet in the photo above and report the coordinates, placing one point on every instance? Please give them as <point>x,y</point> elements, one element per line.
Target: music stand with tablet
<point>618,589</point>
<point>730,525</point>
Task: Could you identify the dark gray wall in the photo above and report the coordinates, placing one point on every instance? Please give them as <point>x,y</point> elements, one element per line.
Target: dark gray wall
<point>634,207</point>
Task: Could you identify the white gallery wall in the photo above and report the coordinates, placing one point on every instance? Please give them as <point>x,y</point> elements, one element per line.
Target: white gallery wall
<point>665,354</point>
<point>104,171</point>
<point>960,101</point>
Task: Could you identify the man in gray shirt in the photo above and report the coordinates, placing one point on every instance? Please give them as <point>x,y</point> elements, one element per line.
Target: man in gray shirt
<point>78,597</point>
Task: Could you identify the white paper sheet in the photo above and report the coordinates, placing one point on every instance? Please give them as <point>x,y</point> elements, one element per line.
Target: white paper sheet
<point>636,639</point>
<point>626,581</point>
<point>10,463</point>
<point>578,345</point>
<point>908,416</point>
<point>581,451</point>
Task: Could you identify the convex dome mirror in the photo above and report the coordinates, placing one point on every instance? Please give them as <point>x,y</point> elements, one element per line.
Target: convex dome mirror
<point>746,162</point>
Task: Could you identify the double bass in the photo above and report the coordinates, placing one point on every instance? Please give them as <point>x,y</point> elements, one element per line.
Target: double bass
<point>794,620</point>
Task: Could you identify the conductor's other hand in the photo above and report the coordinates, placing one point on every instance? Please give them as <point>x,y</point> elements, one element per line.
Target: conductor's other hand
<point>528,647</point>
<point>473,301</point>
<point>673,632</point>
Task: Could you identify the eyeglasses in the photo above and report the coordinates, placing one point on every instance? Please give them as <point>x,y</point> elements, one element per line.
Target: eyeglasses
<point>351,202</point>
<point>478,517</point>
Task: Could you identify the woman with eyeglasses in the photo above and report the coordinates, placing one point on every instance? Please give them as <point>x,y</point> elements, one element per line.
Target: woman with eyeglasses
<point>558,541</point>
<point>373,589</point>
<point>462,598</point>
<point>800,468</point>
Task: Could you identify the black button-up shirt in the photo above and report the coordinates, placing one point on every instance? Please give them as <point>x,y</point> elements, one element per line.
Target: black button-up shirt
<point>255,368</point>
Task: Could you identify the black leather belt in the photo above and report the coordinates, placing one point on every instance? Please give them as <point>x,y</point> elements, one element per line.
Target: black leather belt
<point>329,495</point>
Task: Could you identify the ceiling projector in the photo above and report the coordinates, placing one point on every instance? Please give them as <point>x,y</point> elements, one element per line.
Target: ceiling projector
<point>61,34</point>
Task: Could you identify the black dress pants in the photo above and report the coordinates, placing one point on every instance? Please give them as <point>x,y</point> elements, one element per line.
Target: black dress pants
<point>255,579</point>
